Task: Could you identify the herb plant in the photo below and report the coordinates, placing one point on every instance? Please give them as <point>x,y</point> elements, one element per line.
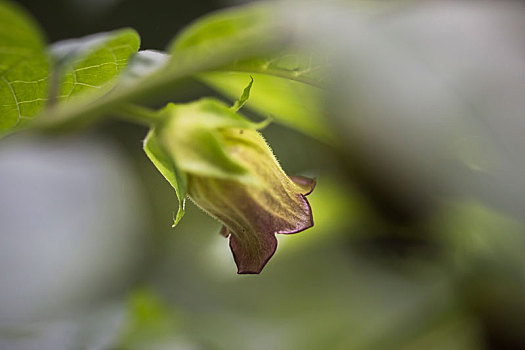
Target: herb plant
<point>205,149</point>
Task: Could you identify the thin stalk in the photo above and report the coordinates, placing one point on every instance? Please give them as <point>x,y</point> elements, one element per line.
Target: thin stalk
<point>137,114</point>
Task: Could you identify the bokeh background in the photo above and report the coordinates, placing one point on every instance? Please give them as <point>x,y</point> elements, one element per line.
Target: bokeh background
<point>418,240</point>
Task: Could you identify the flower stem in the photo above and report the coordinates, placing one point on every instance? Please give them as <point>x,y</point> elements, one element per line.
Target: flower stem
<point>138,114</point>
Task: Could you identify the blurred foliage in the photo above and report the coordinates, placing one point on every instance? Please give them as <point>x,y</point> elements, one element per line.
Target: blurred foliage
<point>149,323</point>
<point>23,67</point>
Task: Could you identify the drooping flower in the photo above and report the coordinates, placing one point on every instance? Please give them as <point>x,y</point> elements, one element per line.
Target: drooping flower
<point>231,173</point>
<point>253,213</point>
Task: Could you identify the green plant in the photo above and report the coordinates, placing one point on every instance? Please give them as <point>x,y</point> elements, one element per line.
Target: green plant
<point>76,82</point>
<point>419,220</point>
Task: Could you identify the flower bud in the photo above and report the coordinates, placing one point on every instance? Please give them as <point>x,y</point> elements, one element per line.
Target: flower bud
<point>232,175</point>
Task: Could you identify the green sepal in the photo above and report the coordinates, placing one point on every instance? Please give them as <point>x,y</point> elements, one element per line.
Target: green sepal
<point>163,162</point>
<point>242,101</point>
<point>192,136</point>
<point>244,97</point>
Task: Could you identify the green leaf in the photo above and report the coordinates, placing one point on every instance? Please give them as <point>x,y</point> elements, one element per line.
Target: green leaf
<point>18,29</point>
<point>292,65</point>
<point>24,67</point>
<point>236,27</point>
<point>260,36</point>
<point>168,169</point>
<point>289,102</point>
<point>244,97</point>
<point>288,82</point>
<point>92,64</point>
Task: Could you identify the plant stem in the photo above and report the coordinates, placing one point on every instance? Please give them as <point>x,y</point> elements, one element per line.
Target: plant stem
<point>138,114</point>
<point>182,66</point>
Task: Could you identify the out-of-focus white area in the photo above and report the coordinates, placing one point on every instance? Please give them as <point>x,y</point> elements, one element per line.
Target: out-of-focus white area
<point>96,328</point>
<point>71,229</point>
<point>142,64</point>
<point>428,94</point>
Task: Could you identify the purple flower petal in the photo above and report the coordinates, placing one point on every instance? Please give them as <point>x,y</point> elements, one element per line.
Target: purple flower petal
<point>306,184</point>
<point>256,245</point>
<point>252,213</point>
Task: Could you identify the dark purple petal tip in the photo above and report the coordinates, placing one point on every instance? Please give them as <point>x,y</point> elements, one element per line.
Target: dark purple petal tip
<point>248,263</point>
<point>252,253</point>
<point>306,184</point>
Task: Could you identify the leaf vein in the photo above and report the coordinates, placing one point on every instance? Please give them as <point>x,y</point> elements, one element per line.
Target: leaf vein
<point>94,66</point>
<point>28,81</point>
<point>14,96</point>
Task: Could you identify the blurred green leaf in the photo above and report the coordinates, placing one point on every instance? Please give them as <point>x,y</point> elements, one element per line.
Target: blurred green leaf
<point>239,25</point>
<point>291,65</point>
<point>24,67</point>
<point>167,168</point>
<point>291,103</point>
<point>287,83</point>
<point>150,322</point>
<point>258,38</point>
<point>235,27</point>
<point>92,64</point>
